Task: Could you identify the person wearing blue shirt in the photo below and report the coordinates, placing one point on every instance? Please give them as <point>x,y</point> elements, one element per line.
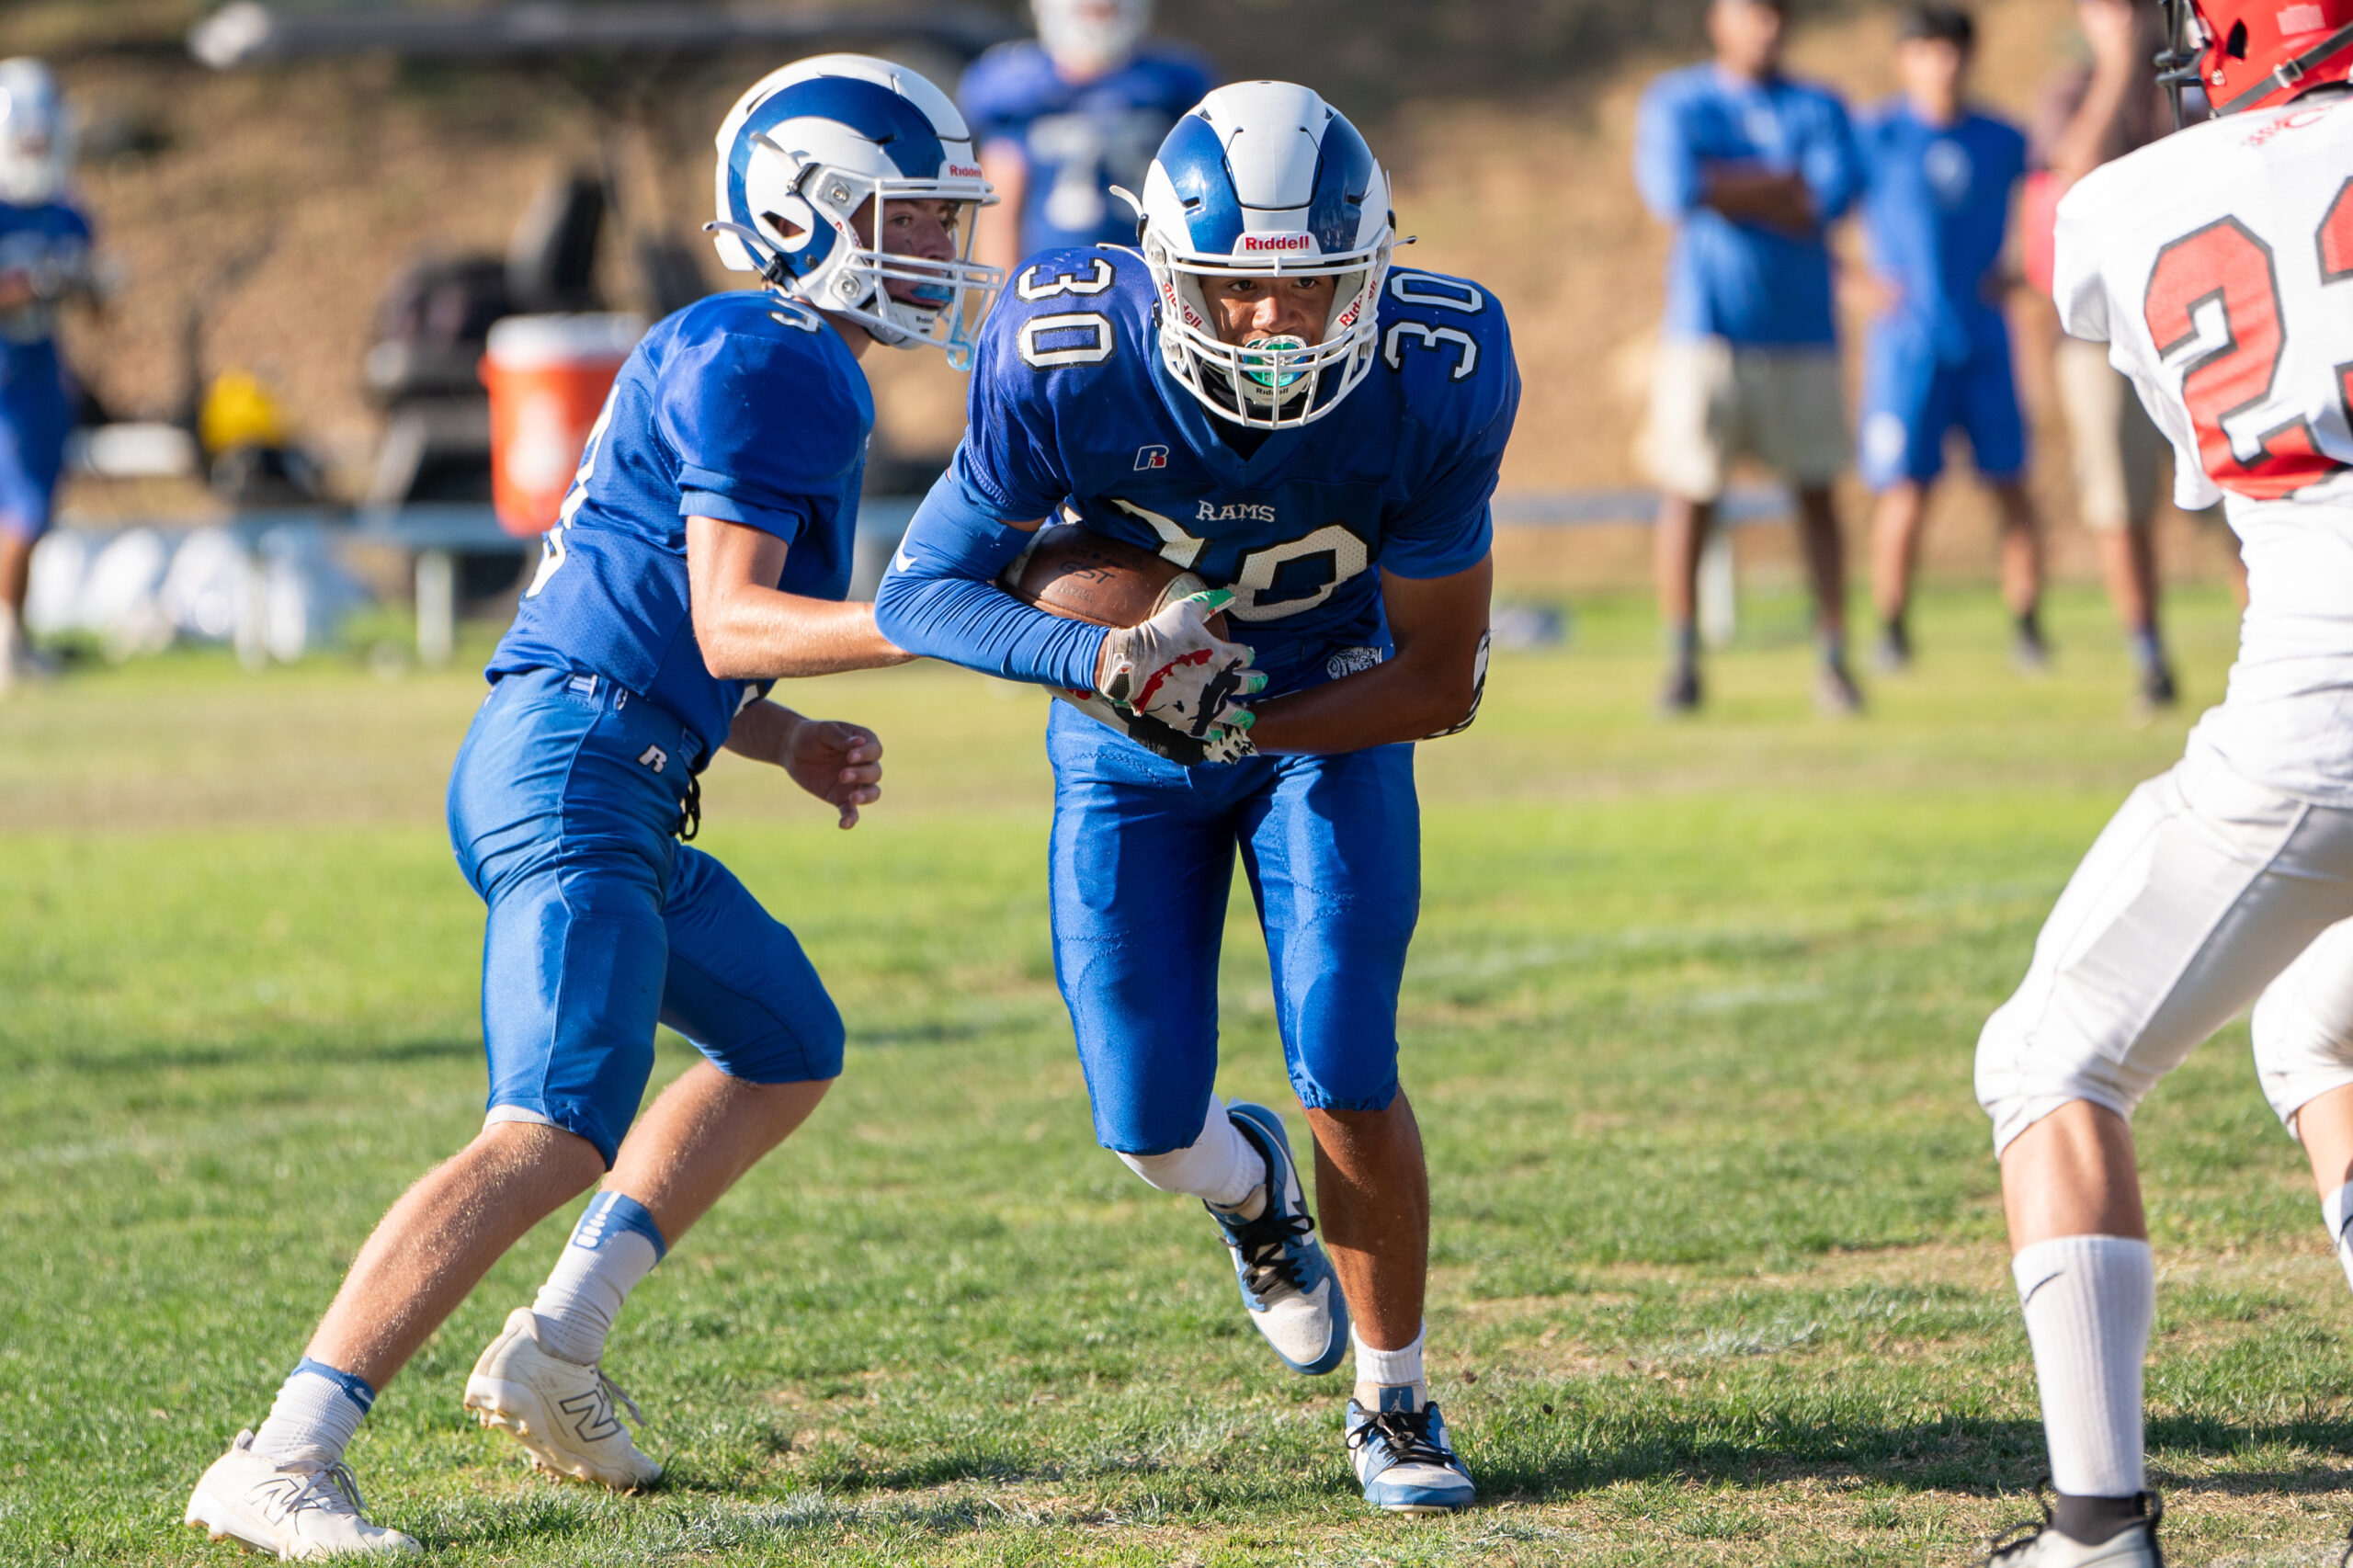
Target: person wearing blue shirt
<point>1256,397</point>
<point>1939,182</point>
<point>44,259</point>
<point>1750,167</point>
<point>1063,118</point>
<point>702,552</point>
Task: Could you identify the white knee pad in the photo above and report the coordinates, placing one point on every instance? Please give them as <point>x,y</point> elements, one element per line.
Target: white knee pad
<point>2303,1026</point>
<point>1220,1166</point>
<point>2020,1079</point>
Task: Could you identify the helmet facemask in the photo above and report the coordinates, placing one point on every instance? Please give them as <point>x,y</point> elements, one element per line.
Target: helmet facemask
<point>1269,385</point>
<point>854,276</point>
<point>813,148</point>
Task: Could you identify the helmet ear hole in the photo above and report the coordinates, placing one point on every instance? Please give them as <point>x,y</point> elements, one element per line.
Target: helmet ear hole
<point>2236,45</point>
<point>792,232</point>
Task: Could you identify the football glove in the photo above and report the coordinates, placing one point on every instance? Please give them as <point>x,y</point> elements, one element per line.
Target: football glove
<point>1174,669</point>
<point>1227,739</point>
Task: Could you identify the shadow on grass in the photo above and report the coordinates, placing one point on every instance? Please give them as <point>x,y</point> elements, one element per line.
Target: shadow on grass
<point>1950,1455</point>
<point>152,1057</point>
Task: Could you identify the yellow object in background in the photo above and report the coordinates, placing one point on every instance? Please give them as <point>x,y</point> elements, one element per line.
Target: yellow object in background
<point>239,412</point>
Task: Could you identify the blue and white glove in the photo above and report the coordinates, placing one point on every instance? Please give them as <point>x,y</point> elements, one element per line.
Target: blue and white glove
<point>1174,670</point>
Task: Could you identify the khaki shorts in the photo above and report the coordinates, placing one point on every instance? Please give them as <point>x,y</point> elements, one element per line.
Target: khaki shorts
<point>2117,446</point>
<point>1712,402</point>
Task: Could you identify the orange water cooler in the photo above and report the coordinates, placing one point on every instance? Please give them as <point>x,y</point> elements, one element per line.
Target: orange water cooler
<point>548,376</point>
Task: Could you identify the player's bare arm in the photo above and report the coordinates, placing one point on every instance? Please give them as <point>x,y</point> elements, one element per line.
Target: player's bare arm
<point>1431,686</point>
<point>840,764</point>
<point>749,631</point>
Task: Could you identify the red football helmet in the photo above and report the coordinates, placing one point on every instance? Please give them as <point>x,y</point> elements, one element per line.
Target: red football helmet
<point>2253,53</point>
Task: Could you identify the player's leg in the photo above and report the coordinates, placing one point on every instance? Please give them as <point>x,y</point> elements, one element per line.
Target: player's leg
<point>1334,853</point>
<point>1677,542</point>
<point>15,575</point>
<point>1688,443</point>
<point>2192,901</point>
<point>1987,408</point>
<point>1897,513</point>
<point>1799,413</point>
<point>1141,860</point>
<point>566,839</point>
<point>1898,456</point>
<point>739,987</point>
<point>2115,456</point>
<point>30,459</point>
<point>2303,1053</point>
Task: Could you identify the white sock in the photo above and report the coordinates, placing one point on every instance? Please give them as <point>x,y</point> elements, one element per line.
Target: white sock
<point>615,1246</point>
<point>2088,1302</point>
<point>2334,1213</point>
<point>1220,1167</point>
<point>1394,1377</point>
<point>311,1422</point>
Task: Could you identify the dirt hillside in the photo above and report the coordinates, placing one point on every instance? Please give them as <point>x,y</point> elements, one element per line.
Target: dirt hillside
<point>325,179</point>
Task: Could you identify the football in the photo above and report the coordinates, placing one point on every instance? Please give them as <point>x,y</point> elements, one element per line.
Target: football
<point>1073,571</point>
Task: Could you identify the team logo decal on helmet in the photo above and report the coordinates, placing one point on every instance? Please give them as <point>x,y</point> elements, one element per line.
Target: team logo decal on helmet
<point>35,133</point>
<point>808,149</point>
<point>1264,179</point>
<point>2251,55</point>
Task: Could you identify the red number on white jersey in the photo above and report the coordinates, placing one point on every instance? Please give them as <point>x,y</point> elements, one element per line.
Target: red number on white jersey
<point>2225,263</point>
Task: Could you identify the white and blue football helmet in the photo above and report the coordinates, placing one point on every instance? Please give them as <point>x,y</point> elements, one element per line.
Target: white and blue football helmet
<point>35,133</point>
<point>807,147</point>
<point>1265,179</point>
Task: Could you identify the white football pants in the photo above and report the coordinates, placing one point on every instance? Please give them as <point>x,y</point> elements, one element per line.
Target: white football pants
<point>2205,892</point>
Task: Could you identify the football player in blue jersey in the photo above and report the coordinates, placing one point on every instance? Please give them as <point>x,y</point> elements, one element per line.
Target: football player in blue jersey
<point>1062,118</point>
<point>702,554</point>
<point>1258,398</point>
<point>44,258</point>
<point>1940,179</point>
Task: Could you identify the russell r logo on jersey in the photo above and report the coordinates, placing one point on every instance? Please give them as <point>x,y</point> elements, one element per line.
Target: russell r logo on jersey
<point>1151,456</point>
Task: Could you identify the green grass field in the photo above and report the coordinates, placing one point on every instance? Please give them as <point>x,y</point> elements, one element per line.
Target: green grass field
<point>1719,1271</point>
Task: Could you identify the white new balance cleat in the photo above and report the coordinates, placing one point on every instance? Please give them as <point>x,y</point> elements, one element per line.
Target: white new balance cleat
<point>560,1411</point>
<point>2041,1544</point>
<point>299,1513</point>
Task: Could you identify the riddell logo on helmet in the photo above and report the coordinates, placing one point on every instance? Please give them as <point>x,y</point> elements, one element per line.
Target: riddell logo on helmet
<point>960,171</point>
<point>1259,244</point>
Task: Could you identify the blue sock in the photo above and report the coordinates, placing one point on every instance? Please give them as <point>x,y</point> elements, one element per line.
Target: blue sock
<point>2148,649</point>
<point>317,1410</point>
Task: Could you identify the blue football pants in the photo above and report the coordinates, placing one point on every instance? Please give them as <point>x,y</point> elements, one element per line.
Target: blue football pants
<point>1143,862</point>
<point>563,810</point>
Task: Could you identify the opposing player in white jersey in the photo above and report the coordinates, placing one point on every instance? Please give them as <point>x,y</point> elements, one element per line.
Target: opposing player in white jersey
<point>2218,265</point>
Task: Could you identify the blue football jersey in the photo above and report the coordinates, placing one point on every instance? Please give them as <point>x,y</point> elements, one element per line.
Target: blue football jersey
<point>1073,413</point>
<point>1080,139</point>
<point>45,237</point>
<point>1936,210</point>
<point>744,407</point>
<point>1748,282</point>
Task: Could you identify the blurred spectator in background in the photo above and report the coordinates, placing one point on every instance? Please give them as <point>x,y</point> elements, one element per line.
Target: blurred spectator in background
<point>44,257</point>
<point>1062,118</point>
<point>2091,112</point>
<point>1938,178</point>
<point>1750,167</point>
